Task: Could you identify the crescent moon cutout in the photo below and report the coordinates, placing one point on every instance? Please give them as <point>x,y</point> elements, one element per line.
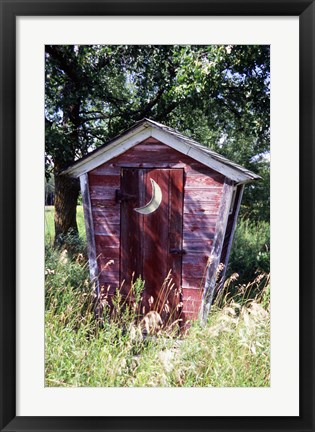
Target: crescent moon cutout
<point>154,202</point>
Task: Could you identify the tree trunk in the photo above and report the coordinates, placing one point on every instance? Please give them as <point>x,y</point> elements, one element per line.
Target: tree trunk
<point>66,197</point>
<point>67,189</point>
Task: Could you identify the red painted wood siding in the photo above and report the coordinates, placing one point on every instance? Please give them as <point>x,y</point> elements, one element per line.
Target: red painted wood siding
<point>106,219</point>
<point>203,190</point>
<point>202,196</point>
<point>147,241</point>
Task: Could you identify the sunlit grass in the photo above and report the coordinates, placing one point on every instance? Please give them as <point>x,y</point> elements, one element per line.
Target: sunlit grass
<point>49,223</point>
<point>231,350</point>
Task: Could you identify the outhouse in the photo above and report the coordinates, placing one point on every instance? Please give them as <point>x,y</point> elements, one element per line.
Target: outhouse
<point>159,205</point>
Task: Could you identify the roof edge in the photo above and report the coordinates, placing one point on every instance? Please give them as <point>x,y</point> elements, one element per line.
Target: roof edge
<point>74,169</point>
<point>145,128</point>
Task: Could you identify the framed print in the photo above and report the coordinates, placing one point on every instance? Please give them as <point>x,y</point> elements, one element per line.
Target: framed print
<point>35,39</point>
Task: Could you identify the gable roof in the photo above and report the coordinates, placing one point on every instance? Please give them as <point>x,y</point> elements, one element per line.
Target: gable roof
<point>148,128</point>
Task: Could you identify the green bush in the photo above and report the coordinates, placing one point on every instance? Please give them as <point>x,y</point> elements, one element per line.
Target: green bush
<point>250,253</point>
<point>63,274</point>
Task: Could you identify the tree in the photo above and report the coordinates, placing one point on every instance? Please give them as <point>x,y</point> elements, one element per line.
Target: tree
<point>229,111</point>
<point>217,94</point>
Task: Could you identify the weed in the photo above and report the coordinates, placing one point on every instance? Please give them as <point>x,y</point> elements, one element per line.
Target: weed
<point>143,348</point>
<point>232,349</point>
<point>250,252</point>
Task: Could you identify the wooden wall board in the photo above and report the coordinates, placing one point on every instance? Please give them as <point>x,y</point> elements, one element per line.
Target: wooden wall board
<point>201,211</point>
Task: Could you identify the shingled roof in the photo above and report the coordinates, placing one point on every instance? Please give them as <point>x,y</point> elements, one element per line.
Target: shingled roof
<point>146,128</point>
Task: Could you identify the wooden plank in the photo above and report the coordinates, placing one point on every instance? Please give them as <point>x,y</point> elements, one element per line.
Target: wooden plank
<point>147,153</point>
<point>103,241</point>
<point>103,193</point>
<point>156,258</point>
<point>192,306</point>
<point>159,159</point>
<point>108,181</point>
<point>193,283</point>
<point>84,183</point>
<point>199,155</point>
<point>197,245</point>
<point>195,291</point>
<point>108,260</point>
<point>201,181</point>
<point>216,250</point>
<point>192,299</point>
<point>151,165</point>
<point>202,220</point>
<point>149,238</point>
<point>108,206</point>
<point>107,267</point>
<point>140,133</point>
<point>201,207</point>
<point>106,169</point>
<point>131,227</point>
<point>109,214</point>
<point>103,228</point>
<point>119,146</point>
<point>230,235</point>
<point>199,258</point>
<point>211,195</point>
<point>189,316</point>
<point>108,253</point>
<point>199,233</point>
<point>150,148</point>
<point>194,266</point>
<point>194,270</point>
<point>110,277</point>
<point>105,217</point>
<point>196,170</point>
<point>175,237</point>
<point>150,140</point>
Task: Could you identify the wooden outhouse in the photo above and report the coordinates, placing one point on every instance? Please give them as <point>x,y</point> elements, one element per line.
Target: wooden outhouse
<point>157,203</point>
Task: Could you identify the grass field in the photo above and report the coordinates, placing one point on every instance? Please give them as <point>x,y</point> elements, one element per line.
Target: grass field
<point>231,350</point>
<point>49,223</point>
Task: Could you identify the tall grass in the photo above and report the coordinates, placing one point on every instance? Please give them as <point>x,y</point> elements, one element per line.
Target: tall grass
<point>250,252</point>
<point>231,350</point>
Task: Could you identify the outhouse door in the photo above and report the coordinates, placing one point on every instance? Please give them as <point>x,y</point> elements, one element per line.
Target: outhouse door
<point>151,232</point>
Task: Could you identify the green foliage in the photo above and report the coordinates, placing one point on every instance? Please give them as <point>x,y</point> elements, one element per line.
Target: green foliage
<point>250,253</point>
<point>256,199</point>
<point>218,94</point>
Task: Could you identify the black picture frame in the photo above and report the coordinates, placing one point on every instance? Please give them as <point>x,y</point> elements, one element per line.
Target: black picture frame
<point>10,9</point>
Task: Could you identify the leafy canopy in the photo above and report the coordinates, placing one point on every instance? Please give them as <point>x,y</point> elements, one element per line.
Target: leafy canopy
<point>217,94</point>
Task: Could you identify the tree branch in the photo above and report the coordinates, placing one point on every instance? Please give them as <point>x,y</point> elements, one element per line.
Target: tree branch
<point>66,65</point>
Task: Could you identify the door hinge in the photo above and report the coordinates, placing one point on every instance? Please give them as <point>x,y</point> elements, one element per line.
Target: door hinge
<point>178,251</point>
<point>120,196</point>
